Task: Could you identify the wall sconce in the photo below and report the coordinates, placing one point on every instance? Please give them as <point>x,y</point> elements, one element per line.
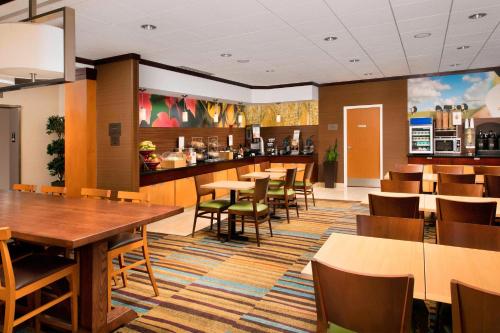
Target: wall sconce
<point>278,115</point>
<point>216,114</point>
<point>142,109</point>
<point>239,118</point>
<point>184,113</point>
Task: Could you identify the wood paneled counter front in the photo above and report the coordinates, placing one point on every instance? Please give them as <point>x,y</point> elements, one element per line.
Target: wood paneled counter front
<point>176,186</point>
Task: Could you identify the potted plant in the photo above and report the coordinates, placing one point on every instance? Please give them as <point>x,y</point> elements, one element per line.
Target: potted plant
<point>330,166</point>
<point>55,125</point>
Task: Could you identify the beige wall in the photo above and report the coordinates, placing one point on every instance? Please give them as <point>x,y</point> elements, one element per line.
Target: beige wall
<point>37,104</point>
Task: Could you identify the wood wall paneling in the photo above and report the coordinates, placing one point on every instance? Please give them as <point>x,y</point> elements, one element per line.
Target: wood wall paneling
<point>391,94</point>
<point>185,192</point>
<point>117,88</point>
<point>161,194</point>
<point>80,137</point>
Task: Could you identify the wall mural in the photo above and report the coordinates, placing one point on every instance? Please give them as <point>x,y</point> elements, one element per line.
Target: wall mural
<point>480,91</point>
<point>167,111</point>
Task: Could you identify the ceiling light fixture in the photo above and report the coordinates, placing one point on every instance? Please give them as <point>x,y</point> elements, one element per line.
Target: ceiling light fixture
<point>463,47</point>
<point>226,55</point>
<point>454,65</point>
<point>368,74</point>
<point>423,35</point>
<point>354,60</point>
<point>269,70</point>
<point>243,61</point>
<point>477,16</point>
<point>330,38</point>
<point>148,27</point>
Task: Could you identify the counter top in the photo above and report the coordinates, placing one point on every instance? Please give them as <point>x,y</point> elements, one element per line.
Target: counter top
<point>152,177</point>
<point>452,156</point>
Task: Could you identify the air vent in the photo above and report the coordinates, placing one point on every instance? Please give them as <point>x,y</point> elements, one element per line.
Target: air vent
<point>196,70</point>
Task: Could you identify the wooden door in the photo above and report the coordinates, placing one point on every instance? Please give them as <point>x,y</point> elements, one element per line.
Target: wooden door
<point>363,146</point>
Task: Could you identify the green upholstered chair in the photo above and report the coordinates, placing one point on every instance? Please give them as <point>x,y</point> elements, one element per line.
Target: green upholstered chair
<point>256,210</point>
<point>305,186</point>
<point>285,196</point>
<point>240,171</point>
<point>207,209</point>
<point>272,183</point>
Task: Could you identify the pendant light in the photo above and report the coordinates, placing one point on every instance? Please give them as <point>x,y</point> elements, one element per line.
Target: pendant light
<point>239,119</point>
<point>142,109</point>
<point>216,114</point>
<point>278,116</point>
<point>184,112</point>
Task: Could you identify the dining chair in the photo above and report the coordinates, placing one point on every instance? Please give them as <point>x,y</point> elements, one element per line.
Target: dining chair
<point>400,186</point>
<point>95,193</point>
<point>487,170</point>
<point>407,176</point>
<point>264,166</point>
<point>23,188</point>
<point>256,210</point>
<point>305,186</point>
<point>273,183</point>
<point>27,276</point>
<point>390,227</point>
<point>465,212</point>
<point>409,168</point>
<point>476,236</point>
<point>464,190</point>
<point>207,209</point>
<point>53,190</point>
<point>381,205</point>
<point>126,242</point>
<point>361,303</point>
<point>474,310</point>
<point>456,178</point>
<point>450,169</point>
<point>240,171</point>
<point>492,186</point>
<point>286,195</point>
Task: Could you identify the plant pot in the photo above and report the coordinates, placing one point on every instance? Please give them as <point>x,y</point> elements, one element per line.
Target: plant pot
<point>58,183</point>
<point>330,173</point>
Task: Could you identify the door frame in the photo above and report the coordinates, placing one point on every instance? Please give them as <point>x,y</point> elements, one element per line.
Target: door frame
<point>381,108</point>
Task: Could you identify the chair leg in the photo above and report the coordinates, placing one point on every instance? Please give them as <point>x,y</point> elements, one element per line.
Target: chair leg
<point>242,224</point>
<point>110,272</point>
<point>305,199</point>
<point>218,226</point>
<point>121,261</point>
<point>74,302</point>
<point>145,252</point>
<point>211,221</point>
<point>257,232</point>
<point>312,194</point>
<point>10,309</point>
<point>269,221</point>
<point>287,211</point>
<point>38,303</point>
<point>194,222</point>
<point>296,206</point>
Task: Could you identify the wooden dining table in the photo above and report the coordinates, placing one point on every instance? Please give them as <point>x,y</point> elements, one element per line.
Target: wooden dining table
<point>83,225</point>
<point>263,175</point>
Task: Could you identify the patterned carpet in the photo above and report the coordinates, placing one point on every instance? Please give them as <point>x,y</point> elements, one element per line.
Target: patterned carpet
<point>209,286</point>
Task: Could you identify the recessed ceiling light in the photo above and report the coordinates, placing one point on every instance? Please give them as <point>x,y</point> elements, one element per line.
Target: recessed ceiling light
<point>477,16</point>
<point>454,65</point>
<point>243,61</point>
<point>148,26</point>
<point>330,38</point>
<point>423,35</point>
<point>368,74</point>
<point>463,47</point>
<point>269,70</point>
<point>354,60</point>
<point>226,55</point>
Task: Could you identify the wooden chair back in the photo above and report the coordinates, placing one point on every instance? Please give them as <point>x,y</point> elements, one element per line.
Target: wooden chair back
<point>455,178</point>
<point>487,170</point>
<point>264,166</point>
<point>341,298</point>
<point>260,191</point>
<point>465,212</point>
<point>95,193</point>
<point>203,179</point>
<point>390,227</point>
<point>23,188</point>
<point>492,186</point>
<point>137,197</point>
<point>464,190</point>
<point>476,236</point>
<point>409,168</point>
<point>453,169</point>
<point>405,186</point>
<point>53,190</point>
<point>394,206</point>
<point>9,283</point>
<point>243,170</point>
<point>407,176</point>
<point>473,309</point>
<point>308,173</point>
<point>291,174</point>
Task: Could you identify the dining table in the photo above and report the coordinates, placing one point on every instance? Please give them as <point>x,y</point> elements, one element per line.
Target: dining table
<point>281,170</point>
<point>85,226</point>
<point>233,186</point>
<point>263,175</point>
<point>433,177</point>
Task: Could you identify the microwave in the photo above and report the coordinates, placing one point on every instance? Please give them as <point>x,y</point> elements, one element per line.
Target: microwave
<point>448,145</point>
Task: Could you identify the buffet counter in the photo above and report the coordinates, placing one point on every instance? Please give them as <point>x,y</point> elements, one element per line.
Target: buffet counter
<point>448,159</point>
<point>176,186</point>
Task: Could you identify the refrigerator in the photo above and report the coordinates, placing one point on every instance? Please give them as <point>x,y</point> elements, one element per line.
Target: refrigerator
<point>421,136</point>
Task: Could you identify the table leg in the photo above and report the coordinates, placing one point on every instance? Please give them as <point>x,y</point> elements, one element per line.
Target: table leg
<point>94,316</point>
<point>231,221</point>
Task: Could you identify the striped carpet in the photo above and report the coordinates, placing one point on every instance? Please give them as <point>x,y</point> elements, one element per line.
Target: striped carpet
<point>209,286</point>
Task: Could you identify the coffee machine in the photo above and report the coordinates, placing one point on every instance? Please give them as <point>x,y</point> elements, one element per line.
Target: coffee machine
<point>253,139</point>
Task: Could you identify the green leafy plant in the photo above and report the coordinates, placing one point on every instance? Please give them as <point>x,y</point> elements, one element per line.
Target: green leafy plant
<point>55,125</point>
<point>332,153</point>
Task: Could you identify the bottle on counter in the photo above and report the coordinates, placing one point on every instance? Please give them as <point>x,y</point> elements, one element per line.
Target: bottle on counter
<point>492,140</point>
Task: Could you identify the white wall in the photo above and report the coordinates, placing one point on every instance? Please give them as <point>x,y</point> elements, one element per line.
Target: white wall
<point>37,104</point>
<point>165,82</point>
